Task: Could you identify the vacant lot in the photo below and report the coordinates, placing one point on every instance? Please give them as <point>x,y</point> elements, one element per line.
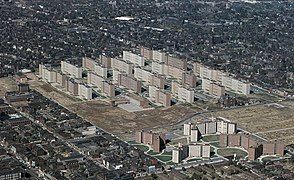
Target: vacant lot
<point>7,84</point>
<point>123,123</point>
<point>268,121</point>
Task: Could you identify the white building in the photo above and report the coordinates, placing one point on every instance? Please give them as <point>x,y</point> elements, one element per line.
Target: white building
<point>194,135</point>
<point>47,74</point>
<point>101,71</point>
<point>206,150</point>
<point>133,58</point>
<point>67,68</point>
<point>158,68</point>
<point>187,129</point>
<point>122,65</point>
<point>176,156</point>
<point>95,80</point>
<point>195,150</point>
<point>238,86</point>
<point>186,95</point>
<point>159,56</point>
<point>115,75</point>
<point>85,91</point>
<point>143,75</point>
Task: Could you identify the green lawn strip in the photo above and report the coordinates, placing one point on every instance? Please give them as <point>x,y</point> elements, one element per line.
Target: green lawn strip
<point>216,144</point>
<point>152,153</point>
<point>163,158</point>
<point>193,160</point>
<point>231,151</point>
<point>142,147</point>
<point>210,138</point>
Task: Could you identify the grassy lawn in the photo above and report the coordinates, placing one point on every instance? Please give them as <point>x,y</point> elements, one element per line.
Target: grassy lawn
<point>193,160</point>
<point>216,144</point>
<point>164,158</point>
<point>269,158</point>
<point>167,153</point>
<point>209,138</point>
<point>231,151</point>
<point>132,142</point>
<point>152,153</point>
<point>142,147</point>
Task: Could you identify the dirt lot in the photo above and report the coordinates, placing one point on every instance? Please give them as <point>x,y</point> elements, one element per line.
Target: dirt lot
<point>7,84</point>
<point>270,122</point>
<point>51,92</point>
<point>123,123</point>
<point>113,119</point>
